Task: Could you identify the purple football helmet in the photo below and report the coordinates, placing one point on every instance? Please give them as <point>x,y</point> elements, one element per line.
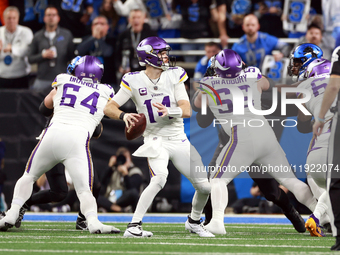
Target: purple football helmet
<point>89,68</point>
<point>317,67</point>
<point>227,64</point>
<point>148,49</point>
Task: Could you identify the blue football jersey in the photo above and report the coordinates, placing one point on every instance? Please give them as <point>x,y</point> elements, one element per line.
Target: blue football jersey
<point>253,53</point>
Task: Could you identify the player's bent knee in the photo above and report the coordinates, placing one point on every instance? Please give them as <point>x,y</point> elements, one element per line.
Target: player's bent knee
<point>203,187</point>
<point>159,180</point>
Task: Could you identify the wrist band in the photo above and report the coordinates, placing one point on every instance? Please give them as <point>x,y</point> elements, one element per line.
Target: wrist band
<point>320,119</point>
<point>175,112</point>
<point>121,116</point>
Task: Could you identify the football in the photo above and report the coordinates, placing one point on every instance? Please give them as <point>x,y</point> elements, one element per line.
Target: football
<point>133,132</point>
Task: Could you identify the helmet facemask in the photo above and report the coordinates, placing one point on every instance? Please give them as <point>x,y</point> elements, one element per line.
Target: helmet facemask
<point>164,60</point>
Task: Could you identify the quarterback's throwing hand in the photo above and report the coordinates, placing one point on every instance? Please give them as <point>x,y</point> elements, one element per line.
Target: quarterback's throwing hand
<point>130,119</point>
<point>161,108</point>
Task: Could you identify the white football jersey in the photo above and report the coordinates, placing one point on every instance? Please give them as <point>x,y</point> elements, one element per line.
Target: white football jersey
<point>246,82</point>
<point>144,93</point>
<point>316,86</point>
<point>78,102</point>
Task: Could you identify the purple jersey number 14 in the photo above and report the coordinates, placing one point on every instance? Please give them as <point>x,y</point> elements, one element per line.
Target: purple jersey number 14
<point>166,102</point>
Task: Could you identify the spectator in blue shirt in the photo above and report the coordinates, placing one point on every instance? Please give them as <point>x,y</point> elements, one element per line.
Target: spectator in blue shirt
<point>255,45</point>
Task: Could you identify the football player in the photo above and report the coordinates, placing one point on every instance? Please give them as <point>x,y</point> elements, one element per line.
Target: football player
<point>333,183</point>
<point>247,144</point>
<point>56,176</point>
<point>159,92</point>
<point>317,74</point>
<point>77,104</point>
<point>301,57</point>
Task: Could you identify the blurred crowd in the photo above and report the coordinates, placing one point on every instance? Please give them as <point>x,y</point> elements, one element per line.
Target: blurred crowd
<point>49,33</point>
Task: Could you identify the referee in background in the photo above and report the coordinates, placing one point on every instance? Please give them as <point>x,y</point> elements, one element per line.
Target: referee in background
<point>333,180</point>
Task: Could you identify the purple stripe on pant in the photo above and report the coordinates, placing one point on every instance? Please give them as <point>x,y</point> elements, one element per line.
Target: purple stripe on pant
<point>29,163</point>
<point>229,152</point>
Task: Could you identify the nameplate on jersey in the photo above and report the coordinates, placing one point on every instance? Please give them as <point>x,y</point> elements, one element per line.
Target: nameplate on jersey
<point>275,70</point>
<point>156,8</point>
<point>296,13</point>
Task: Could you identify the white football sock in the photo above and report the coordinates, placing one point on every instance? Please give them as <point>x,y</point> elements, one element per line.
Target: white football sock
<point>198,202</point>
<point>219,198</point>
<point>145,201</point>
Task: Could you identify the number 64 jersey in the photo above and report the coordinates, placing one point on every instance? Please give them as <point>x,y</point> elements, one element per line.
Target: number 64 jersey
<point>78,102</point>
<point>168,90</point>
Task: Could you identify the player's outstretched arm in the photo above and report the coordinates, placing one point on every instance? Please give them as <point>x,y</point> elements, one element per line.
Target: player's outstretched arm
<point>46,106</point>
<point>112,111</point>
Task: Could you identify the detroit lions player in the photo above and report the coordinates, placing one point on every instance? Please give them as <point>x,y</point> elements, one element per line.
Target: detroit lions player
<point>77,103</point>
<point>317,74</point>
<point>249,142</point>
<point>160,94</point>
<point>301,57</point>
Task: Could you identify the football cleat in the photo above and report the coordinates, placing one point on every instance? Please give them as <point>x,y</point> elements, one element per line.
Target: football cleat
<point>296,219</point>
<point>5,223</point>
<point>216,227</point>
<point>99,228</point>
<point>81,223</point>
<point>22,212</point>
<point>312,225</point>
<point>136,230</point>
<point>197,228</point>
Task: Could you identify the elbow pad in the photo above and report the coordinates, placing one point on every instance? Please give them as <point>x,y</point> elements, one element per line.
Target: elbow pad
<point>44,110</point>
<point>304,126</point>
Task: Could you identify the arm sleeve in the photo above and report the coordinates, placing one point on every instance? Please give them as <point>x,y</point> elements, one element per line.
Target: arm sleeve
<point>121,97</point>
<point>44,110</point>
<point>180,92</point>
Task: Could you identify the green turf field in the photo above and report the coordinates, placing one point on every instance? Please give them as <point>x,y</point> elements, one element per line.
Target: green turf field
<point>62,238</point>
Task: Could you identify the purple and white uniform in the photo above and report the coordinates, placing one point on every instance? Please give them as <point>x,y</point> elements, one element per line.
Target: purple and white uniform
<point>78,109</point>
<point>164,137</point>
<point>252,139</point>
<point>317,151</point>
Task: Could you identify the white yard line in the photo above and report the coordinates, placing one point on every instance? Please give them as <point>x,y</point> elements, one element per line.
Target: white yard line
<point>171,243</point>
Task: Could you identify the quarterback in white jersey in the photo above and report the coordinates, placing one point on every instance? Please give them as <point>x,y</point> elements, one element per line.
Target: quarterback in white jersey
<point>252,140</point>
<point>77,102</point>
<point>160,94</point>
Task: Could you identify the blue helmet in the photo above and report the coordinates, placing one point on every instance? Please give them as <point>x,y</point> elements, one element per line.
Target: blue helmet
<point>301,57</point>
<point>72,65</point>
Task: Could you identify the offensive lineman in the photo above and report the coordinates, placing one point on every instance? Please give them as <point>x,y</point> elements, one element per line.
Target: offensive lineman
<point>77,103</point>
<point>160,94</point>
<point>246,144</point>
